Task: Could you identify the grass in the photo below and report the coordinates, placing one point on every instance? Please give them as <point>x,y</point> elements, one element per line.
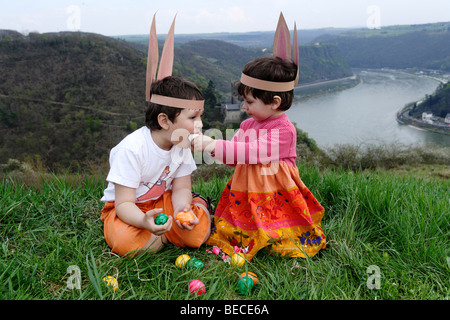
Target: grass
<point>396,224</point>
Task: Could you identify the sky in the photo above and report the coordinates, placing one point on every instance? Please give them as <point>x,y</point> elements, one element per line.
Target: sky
<point>127,17</point>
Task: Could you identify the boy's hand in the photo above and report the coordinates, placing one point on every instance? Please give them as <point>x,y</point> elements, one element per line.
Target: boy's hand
<point>150,225</point>
<point>187,226</point>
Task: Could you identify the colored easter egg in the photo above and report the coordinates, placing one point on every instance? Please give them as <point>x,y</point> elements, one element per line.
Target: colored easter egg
<point>216,250</point>
<point>253,276</point>
<point>245,285</point>
<point>185,217</point>
<point>197,287</point>
<point>195,263</point>
<point>237,259</point>
<point>182,260</point>
<point>161,219</point>
<point>111,283</point>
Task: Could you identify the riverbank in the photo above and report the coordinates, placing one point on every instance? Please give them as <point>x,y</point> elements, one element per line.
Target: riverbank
<point>404,118</point>
<point>366,113</point>
<point>404,115</point>
<point>311,90</point>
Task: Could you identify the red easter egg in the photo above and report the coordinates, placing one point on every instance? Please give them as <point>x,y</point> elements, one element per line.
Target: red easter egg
<point>197,287</point>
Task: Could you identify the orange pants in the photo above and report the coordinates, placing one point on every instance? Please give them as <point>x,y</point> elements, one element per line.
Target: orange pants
<point>124,238</point>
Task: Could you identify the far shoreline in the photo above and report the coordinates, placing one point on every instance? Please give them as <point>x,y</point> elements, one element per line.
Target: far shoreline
<point>404,119</point>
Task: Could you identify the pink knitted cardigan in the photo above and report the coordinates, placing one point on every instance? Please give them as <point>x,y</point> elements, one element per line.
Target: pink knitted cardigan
<point>272,140</point>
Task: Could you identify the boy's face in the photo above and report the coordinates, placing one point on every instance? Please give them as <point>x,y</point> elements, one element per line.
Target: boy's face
<point>189,121</point>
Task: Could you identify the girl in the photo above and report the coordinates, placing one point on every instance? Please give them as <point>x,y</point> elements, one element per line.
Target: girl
<point>265,204</point>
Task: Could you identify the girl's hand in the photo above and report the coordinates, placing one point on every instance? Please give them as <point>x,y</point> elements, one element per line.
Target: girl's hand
<point>201,143</point>
<point>150,225</point>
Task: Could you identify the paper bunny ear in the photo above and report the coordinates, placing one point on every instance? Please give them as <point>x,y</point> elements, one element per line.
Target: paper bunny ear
<point>281,49</point>
<point>152,59</point>
<point>166,64</point>
<point>282,40</point>
<point>165,70</point>
<point>295,52</point>
<point>282,43</point>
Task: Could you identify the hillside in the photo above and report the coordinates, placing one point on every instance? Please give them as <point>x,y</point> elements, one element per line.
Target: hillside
<point>322,63</point>
<point>398,47</point>
<point>219,61</point>
<point>76,68</point>
<point>222,62</point>
<point>67,98</point>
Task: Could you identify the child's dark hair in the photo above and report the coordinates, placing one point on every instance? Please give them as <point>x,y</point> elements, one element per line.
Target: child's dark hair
<point>174,87</point>
<point>274,69</point>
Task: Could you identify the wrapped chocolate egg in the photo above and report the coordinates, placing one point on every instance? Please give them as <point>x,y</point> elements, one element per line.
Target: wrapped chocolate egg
<point>197,287</point>
<point>185,217</point>
<point>192,136</point>
<point>245,285</point>
<point>182,260</point>
<point>237,259</point>
<point>195,263</point>
<point>253,276</point>
<point>161,219</point>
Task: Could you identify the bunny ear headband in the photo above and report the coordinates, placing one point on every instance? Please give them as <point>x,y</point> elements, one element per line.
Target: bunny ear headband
<point>281,49</point>
<point>165,70</point>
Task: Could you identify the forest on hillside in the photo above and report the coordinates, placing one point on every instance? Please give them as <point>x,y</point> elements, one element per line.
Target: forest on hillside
<point>421,47</point>
<point>222,62</point>
<point>67,98</point>
<point>438,103</point>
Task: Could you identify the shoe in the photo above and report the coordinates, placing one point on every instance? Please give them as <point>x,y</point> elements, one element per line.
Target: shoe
<point>206,202</point>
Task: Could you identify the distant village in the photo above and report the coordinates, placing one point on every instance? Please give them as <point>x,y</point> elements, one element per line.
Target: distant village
<point>428,117</point>
<point>428,120</point>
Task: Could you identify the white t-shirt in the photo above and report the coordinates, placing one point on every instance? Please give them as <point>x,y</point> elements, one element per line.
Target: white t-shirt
<point>137,162</point>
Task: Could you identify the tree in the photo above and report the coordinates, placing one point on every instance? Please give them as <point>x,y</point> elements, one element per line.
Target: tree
<point>211,101</point>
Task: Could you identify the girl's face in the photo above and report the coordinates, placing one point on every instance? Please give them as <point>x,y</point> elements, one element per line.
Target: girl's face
<point>258,110</point>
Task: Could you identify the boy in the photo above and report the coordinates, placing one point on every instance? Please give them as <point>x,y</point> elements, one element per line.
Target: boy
<point>151,173</point>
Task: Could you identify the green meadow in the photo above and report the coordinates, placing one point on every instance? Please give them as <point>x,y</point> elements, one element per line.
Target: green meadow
<point>388,239</point>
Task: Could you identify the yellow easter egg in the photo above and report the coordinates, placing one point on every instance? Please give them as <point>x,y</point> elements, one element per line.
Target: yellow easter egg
<point>111,283</point>
<point>182,260</point>
<point>237,259</point>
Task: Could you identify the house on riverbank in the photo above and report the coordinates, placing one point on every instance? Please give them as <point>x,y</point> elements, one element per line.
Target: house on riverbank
<point>232,112</point>
<point>232,107</point>
<point>447,118</point>
<point>431,113</point>
<point>428,121</point>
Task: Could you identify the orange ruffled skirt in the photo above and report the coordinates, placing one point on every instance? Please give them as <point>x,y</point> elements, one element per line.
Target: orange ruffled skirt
<point>276,212</point>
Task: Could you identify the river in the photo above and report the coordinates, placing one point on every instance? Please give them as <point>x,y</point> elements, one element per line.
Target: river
<point>366,113</point>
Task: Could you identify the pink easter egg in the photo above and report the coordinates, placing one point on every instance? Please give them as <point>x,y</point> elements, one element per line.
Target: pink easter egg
<point>197,287</point>
<point>216,250</point>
